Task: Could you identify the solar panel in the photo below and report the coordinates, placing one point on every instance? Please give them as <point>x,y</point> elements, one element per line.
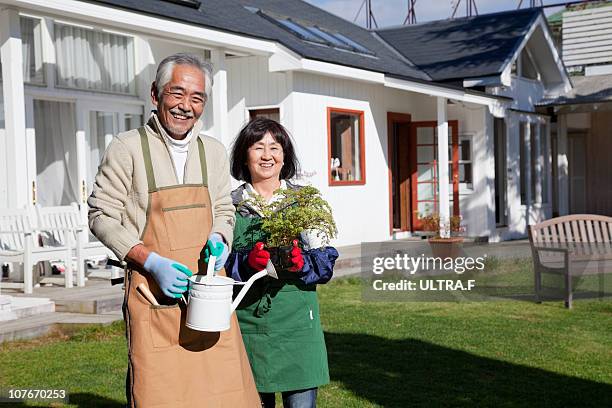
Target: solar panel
<point>300,31</point>
<point>315,34</point>
<point>358,47</point>
<point>328,37</point>
<point>189,3</point>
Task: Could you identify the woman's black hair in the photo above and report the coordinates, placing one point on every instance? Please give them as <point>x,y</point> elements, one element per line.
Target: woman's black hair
<point>252,133</point>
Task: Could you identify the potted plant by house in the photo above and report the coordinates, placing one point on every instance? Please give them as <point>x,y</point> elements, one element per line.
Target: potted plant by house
<point>444,247</point>
<point>292,212</point>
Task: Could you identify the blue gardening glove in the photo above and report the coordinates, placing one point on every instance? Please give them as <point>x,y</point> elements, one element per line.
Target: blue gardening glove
<point>171,276</point>
<point>215,246</point>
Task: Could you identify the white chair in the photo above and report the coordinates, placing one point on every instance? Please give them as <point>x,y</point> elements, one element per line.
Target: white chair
<point>64,222</point>
<point>19,243</point>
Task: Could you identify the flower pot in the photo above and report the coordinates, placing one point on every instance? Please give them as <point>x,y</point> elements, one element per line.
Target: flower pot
<point>281,257</point>
<point>446,247</point>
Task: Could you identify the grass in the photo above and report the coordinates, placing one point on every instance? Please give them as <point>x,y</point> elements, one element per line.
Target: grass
<point>503,354</point>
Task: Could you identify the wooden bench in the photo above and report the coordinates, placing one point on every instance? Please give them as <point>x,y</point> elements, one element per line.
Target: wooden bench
<point>572,245</point>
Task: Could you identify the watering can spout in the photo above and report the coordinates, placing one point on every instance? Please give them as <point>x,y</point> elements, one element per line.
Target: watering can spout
<point>246,287</point>
<point>269,271</point>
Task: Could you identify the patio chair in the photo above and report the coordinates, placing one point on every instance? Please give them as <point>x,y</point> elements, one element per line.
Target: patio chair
<point>19,243</point>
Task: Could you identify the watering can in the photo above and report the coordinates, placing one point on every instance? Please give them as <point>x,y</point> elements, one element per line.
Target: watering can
<point>210,305</point>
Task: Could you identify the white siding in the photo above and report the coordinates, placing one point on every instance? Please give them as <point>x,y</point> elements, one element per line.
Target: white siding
<point>361,211</point>
<point>525,92</point>
<point>587,36</point>
<point>250,85</point>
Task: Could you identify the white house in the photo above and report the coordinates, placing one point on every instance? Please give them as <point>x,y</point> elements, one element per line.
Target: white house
<point>389,124</point>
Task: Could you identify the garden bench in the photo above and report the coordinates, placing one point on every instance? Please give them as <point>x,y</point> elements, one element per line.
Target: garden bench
<point>20,243</point>
<point>64,225</point>
<point>572,246</point>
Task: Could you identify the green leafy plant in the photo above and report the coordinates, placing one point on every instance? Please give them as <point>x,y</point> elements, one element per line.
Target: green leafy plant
<point>295,211</point>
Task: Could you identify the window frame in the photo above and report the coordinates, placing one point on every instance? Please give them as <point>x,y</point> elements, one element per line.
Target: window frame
<point>467,187</point>
<point>362,162</point>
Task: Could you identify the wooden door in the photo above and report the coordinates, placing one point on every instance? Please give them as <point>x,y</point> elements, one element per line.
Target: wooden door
<point>424,170</point>
<point>398,125</point>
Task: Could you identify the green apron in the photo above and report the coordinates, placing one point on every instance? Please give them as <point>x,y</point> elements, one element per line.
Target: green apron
<point>280,325</point>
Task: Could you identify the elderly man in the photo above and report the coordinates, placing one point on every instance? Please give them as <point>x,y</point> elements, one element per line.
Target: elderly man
<point>161,195</point>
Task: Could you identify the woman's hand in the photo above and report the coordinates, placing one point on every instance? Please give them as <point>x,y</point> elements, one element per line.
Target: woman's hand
<point>297,260</point>
<point>258,257</point>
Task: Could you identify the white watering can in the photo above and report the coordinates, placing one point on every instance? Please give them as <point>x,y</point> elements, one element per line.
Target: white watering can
<point>210,305</point>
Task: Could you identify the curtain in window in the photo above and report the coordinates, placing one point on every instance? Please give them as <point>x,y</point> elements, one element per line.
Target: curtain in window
<point>56,153</point>
<point>94,60</point>
<point>31,51</point>
<point>102,127</point>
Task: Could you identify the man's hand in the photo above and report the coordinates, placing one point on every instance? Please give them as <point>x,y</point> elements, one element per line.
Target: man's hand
<point>216,247</point>
<point>169,275</point>
<point>258,257</point>
<point>297,260</point>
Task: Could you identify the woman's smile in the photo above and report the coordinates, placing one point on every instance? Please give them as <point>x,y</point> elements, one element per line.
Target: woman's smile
<point>265,159</point>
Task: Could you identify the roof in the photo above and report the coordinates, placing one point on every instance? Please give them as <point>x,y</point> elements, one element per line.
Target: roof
<point>587,89</point>
<point>233,16</point>
<point>462,48</point>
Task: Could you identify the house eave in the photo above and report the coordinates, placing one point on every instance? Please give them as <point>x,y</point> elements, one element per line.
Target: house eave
<point>132,21</point>
<point>540,22</point>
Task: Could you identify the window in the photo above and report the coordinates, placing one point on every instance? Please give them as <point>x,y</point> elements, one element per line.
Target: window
<point>533,162</point>
<point>94,60</point>
<point>31,51</point>
<point>272,113</point>
<point>501,166</point>
<point>132,121</point>
<point>346,147</point>
<point>528,67</point>
<point>465,160</point>
<point>545,154</point>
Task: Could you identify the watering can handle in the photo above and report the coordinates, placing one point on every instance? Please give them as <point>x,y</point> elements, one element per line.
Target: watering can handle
<point>246,287</point>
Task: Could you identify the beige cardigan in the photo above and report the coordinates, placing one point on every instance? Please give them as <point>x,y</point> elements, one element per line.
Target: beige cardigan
<point>118,203</point>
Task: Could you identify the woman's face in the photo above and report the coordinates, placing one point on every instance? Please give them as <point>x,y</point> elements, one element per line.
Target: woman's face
<point>265,159</point>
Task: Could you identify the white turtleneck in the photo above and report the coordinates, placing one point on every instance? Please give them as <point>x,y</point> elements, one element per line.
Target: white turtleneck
<point>178,151</point>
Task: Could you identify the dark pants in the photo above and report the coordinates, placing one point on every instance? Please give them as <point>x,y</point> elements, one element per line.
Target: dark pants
<point>292,399</point>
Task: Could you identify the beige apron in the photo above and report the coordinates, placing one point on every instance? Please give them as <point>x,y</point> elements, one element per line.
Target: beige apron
<point>171,365</point>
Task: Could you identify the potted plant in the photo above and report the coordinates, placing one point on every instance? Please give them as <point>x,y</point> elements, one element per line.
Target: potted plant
<point>444,247</point>
<point>290,213</point>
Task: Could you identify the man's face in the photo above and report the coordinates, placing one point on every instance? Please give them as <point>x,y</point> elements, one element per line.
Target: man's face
<point>182,100</point>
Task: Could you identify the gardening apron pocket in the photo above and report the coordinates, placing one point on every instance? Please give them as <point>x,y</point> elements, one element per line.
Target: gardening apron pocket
<point>183,223</point>
<point>164,324</point>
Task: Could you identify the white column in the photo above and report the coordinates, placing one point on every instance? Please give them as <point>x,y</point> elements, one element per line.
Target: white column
<point>528,175</point>
<point>219,97</point>
<point>443,178</point>
<point>12,74</point>
<point>562,165</point>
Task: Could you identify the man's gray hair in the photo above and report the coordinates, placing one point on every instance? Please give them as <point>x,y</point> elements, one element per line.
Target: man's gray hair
<point>165,68</point>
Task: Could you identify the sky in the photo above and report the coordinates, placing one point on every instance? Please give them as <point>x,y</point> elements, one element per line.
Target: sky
<point>393,12</point>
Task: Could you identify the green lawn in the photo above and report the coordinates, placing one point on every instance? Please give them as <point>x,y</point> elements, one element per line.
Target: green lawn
<point>503,354</point>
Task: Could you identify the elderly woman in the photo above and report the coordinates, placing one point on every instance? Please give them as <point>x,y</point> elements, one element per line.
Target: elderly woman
<point>279,319</point>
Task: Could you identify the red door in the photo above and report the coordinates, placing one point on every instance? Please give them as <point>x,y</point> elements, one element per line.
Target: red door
<point>424,170</point>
